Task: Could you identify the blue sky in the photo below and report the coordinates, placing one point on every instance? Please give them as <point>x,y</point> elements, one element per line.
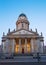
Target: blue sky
<point>35,11</point>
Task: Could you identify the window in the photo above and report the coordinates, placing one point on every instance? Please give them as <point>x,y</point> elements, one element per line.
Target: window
<point>22,25</point>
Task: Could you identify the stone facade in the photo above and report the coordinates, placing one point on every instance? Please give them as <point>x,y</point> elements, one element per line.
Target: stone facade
<point>22,40</point>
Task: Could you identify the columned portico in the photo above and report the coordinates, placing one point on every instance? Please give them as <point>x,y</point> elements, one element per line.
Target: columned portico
<point>23,46</point>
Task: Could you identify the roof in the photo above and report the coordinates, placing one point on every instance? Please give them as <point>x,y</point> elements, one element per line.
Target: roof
<point>22,14</point>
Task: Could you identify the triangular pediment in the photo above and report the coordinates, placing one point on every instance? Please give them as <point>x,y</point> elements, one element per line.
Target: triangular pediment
<point>22,32</point>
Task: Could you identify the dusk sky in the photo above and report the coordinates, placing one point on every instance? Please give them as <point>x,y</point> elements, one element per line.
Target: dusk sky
<point>35,11</point>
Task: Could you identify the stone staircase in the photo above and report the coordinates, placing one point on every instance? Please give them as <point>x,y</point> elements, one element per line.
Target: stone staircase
<point>25,59</point>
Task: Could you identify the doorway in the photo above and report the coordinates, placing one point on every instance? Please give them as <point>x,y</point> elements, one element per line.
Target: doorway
<point>22,50</point>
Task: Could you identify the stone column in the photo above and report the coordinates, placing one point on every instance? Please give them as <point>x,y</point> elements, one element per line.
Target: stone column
<point>32,45</point>
<point>42,46</point>
<point>19,45</point>
<point>13,45</point>
<point>38,46</point>
<point>3,45</point>
<point>25,46</point>
<point>7,45</point>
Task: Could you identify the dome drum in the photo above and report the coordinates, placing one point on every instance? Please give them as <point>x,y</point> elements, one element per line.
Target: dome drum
<point>21,21</point>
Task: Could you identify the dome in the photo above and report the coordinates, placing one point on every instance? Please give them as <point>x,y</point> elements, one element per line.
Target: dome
<point>22,18</point>
<point>22,15</point>
<point>22,22</point>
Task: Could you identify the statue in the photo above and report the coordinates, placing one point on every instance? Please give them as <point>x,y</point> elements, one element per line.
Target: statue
<point>3,34</point>
<point>36,30</point>
<point>9,30</point>
<point>41,34</point>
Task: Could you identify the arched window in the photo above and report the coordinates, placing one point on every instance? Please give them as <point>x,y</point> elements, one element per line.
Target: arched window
<point>22,25</point>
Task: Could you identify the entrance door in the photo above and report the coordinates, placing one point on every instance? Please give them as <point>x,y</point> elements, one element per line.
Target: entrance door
<point>22,50</point>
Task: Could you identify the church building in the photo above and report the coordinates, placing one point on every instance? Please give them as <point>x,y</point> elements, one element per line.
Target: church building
<point>22,40</point>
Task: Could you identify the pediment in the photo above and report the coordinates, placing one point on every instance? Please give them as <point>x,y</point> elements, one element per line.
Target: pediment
<point>22,32</point>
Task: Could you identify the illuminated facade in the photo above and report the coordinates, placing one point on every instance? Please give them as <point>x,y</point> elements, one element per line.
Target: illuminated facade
<point>22,40</point>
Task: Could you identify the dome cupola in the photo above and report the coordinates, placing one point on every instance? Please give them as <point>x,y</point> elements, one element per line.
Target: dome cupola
<point>22,15</point>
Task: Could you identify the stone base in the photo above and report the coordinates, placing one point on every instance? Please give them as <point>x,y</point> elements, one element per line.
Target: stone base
<point>23,63</point>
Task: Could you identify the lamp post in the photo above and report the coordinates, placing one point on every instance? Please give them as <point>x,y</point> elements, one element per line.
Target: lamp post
<point>38,57</point>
